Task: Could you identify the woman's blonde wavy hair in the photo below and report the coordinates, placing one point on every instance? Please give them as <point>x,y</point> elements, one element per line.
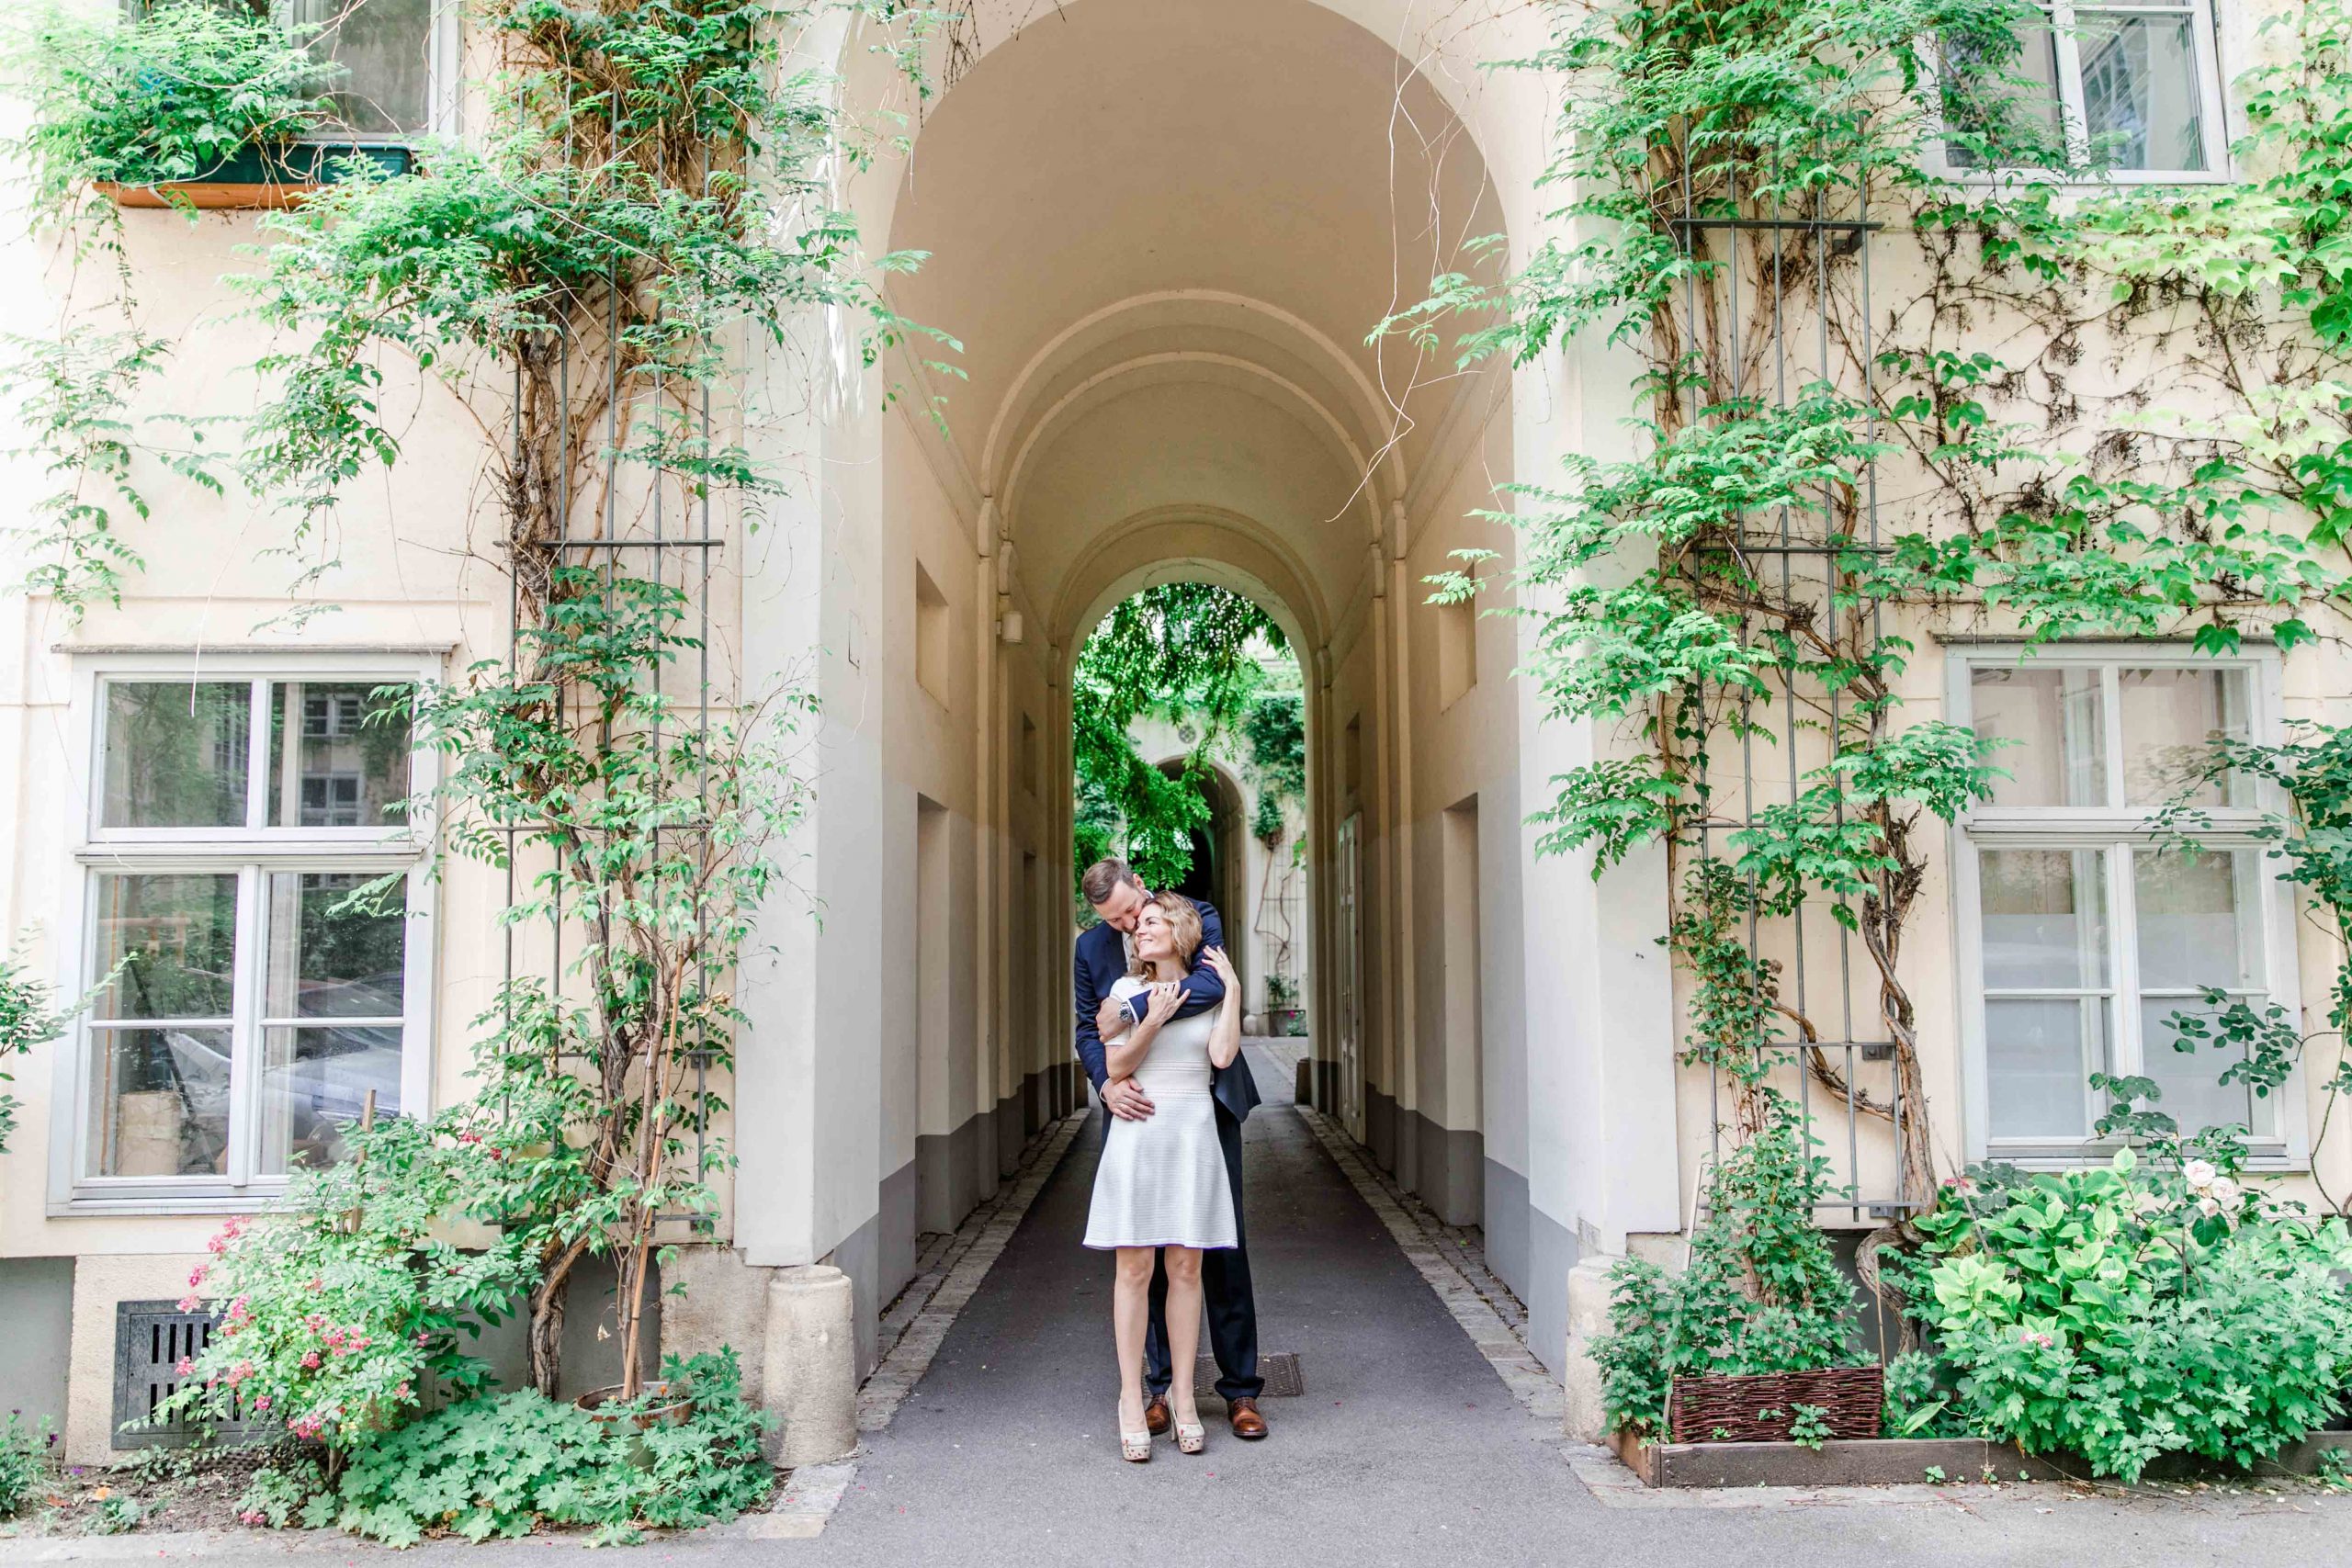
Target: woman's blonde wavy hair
<point>1183,924</point>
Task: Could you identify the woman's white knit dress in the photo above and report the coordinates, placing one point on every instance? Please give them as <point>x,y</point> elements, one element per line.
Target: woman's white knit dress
<point>1162,1181</point>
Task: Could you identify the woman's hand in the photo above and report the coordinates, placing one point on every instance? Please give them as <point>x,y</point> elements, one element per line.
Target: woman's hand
<point>1167,996</point>
<point>1223,967</point>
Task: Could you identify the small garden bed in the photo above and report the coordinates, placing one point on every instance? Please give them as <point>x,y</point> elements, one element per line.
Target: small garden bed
<point>1890,1462</point>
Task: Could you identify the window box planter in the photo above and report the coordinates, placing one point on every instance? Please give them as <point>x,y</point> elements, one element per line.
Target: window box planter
<point>1757,1408</point>
<point>254,179</point>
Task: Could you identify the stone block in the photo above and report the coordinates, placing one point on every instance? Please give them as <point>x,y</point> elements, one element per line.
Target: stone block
<point>809,1381</point>
<point>1579,1374</point>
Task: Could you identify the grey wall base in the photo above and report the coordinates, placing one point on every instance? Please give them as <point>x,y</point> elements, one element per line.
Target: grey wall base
<point>1551,1252</point>
<point>1452,1171</point>
<point>1380,1128</point>
<point>37,1303</point>
<point>592,1341</point>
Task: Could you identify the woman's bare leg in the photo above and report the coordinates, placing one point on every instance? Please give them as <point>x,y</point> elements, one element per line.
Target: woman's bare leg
<point>1130,1311</point>
<point>1184,1330</point>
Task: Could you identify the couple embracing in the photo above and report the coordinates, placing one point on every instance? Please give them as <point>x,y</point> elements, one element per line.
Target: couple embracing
<point>1159,1032</point>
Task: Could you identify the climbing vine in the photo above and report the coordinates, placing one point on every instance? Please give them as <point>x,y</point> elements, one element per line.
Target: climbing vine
<point>1880,400</point>
<point>646,217</point>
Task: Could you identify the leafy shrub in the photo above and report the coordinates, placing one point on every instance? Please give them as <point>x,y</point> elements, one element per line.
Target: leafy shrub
<point>2120,1317</point>
<point>24,1460</point>
<point>1762,1293</point>
<point>342,1305</point>
<point>169,96</point>
<point>1919,1398</point>
<point>116,1513</point>
<point>280,1494</point>
<point>499,1467</point>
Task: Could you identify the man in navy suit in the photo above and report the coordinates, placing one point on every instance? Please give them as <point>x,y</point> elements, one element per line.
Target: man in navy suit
<point>1118,896</point>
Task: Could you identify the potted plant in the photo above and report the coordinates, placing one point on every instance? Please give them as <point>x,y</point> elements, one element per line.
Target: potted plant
<point>187,103</point>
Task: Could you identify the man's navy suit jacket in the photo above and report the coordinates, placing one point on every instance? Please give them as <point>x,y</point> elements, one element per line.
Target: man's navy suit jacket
<point>1101,957</point>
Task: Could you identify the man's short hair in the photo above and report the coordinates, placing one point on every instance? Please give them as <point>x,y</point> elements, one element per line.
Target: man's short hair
<point>1103,879</point>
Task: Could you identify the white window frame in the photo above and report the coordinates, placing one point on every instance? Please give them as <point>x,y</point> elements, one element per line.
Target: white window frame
<point>252,854</point>
<point>2205,39</point>
<point>2115,828</point>
<point>445,51</point>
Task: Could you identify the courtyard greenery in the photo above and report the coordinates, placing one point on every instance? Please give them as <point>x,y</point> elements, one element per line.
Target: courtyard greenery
<point>646,204</point>
<point>2123,1313</point>
<point>1909,364</point>
<point>1187,651</point>
<point>1762,1292</point>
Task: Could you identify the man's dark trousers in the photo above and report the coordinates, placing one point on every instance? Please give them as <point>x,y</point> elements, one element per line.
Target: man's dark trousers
<point>1225,1288</point>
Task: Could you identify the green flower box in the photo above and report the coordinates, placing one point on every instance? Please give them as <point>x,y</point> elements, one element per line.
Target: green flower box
<point>254,177</point>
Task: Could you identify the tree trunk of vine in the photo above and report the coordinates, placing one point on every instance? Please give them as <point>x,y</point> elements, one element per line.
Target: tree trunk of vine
<point>544,1334</point>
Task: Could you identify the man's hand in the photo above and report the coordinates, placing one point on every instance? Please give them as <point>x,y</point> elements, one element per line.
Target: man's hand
<point>1110,1016</point>
<point>1126,1100</point>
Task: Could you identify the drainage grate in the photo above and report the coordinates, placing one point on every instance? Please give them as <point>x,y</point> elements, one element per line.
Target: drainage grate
<point>1279,1367</point>
<point>149,1340</point>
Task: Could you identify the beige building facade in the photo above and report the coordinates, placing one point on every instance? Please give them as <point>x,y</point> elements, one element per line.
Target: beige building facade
<point>1162,233</point>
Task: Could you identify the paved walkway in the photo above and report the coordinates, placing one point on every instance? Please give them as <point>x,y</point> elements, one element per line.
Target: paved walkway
<point>1407,1447</point>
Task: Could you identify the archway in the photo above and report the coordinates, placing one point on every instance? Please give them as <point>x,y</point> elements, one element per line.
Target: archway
<point>1142,397</point>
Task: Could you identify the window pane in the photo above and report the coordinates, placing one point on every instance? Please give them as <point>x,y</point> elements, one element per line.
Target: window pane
<point>175,753</point>
<point>385,46</point>
<point>2045,919</point>
<point>2194,1095</point>
<point>175,937</point>
<point>2141,104</point>
<point>330,960</point>
<point>2197,917</point>
<point>161,1101</point>
<point>314,1080</point>
<point>2057,716</point>
<point>2039,1054</point>
<point>2171,718</point>
<point>1976,92</point>
<point>329,767</point>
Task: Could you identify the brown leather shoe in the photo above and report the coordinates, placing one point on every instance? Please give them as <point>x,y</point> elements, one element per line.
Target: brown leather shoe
<point>1155,1414</point>
<point>1247,1422</point>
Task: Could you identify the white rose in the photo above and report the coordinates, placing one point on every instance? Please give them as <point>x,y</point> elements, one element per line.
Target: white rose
<point>2225,1190</point>
<point>2198,1172</point>
<point>2207,1206</point>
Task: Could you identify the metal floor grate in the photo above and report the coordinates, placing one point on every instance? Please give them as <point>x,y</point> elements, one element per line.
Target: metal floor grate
<point>1279,1367</point>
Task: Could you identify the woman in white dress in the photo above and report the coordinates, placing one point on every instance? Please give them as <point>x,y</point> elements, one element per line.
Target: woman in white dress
<point>1161,1186</point>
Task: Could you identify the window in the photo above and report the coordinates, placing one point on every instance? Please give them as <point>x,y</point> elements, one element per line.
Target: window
<point>250,882</point>
<point>387,50</point>
<point>398,59</point>
<point>2079,933</point>
<point>2130,91</point>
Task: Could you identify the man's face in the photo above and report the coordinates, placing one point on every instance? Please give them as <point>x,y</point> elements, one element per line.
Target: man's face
<point>1122,908</point>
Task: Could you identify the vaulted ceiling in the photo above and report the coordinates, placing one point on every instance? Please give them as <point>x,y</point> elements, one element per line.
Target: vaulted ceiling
<point>1162,232</point>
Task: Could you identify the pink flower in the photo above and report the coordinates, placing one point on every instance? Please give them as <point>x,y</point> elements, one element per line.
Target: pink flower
<point>260,1402</point>
<point>311,1359</point>
<point>400,1393</point>
<point>239,1372</point>
<point>314,1323</point>
<point>189,1303</point>
<point>196,1276</point>
<point>184,1367</point>
<point>249,1517</point>
<point>317,1283</point>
